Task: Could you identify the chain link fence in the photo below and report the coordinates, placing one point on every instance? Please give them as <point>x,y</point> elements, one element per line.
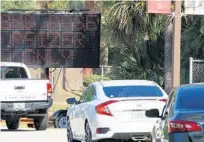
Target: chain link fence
<point>104,70</point>
<point>196,71</point>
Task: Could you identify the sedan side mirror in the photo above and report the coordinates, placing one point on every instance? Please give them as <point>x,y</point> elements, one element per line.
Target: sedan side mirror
<point>152,113</point>
<point>71,101</point>
<point>165,115</point>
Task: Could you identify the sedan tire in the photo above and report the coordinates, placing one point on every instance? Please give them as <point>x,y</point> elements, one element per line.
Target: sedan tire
<point>88,135</point>
<point>69,133</point>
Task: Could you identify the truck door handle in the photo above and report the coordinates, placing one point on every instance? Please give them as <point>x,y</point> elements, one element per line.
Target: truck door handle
<point>19,87</point>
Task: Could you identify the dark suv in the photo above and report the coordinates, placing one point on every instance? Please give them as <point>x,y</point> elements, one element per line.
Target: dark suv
<point>182,119</point>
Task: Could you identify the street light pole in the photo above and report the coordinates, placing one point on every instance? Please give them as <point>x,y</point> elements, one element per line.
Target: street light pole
<point>177,43</point>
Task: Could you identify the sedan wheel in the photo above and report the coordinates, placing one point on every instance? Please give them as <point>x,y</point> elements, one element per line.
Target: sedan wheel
<point>88,136</point>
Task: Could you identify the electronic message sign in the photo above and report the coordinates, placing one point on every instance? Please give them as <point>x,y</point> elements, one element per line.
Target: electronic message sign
<point>51,40</point>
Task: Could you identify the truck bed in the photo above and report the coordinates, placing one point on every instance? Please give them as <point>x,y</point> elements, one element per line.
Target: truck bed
<point>23,90</point>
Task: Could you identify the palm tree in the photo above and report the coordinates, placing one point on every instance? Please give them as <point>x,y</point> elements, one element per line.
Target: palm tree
<point>130,19</point>
<point>192,42</point>
<point>139,36</point>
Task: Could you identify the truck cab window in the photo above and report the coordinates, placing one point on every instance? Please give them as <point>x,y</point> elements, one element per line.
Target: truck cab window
<point>13,72</point>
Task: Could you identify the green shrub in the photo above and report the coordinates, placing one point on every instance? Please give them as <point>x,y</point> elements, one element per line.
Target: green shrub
<point>92,78</point>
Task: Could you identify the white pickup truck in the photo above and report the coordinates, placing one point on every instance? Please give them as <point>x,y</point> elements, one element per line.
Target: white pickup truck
<point>21,96</point>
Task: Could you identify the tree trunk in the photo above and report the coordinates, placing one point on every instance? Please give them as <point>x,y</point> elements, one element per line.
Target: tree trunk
<point>43,5</point>
<point>168,80</point>
<point>104,56</point>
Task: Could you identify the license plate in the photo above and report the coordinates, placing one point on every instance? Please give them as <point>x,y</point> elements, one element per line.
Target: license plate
<point>19,105</point>
<point>135,115</point>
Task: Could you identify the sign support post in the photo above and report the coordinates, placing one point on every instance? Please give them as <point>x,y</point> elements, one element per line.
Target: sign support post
<point>176,44</point>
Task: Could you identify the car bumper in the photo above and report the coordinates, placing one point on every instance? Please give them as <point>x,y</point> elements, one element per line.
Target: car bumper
<point>122,130</point>
<point>8,107</point>
<point>135,136</point>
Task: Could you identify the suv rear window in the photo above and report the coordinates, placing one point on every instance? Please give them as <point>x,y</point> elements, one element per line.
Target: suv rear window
<point>132,91</point>
<point>12,72</point>
<point>191,98</point>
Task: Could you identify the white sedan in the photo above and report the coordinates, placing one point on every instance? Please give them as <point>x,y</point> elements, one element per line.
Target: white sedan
<point>114,110</point>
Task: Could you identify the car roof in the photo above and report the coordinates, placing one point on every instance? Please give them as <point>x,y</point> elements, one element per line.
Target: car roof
<point>12,64</point>
<point>194,85</point>
<point>125,83</point>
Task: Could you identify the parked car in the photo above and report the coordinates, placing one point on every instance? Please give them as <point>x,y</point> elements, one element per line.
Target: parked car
<point>22,96</point>
<point>182,119</point>
<point>114,110</point>
<point>59,118</point>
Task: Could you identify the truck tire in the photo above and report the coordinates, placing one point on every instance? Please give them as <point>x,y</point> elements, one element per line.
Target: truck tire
<point>12,124</point>
<point>41,122</point>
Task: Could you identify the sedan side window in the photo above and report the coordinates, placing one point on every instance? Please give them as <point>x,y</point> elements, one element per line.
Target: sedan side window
<point>171,109</point>
<point>171,104</point>
<point>171,96</point>
<point>83,97</point>
<point>166,107</point>
<point>94,96</point>
<point>90,94</point>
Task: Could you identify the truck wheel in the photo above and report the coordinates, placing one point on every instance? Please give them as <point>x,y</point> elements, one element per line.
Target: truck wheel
<point>61,121</point>
<point>12,124</point>
<point>41,122</point>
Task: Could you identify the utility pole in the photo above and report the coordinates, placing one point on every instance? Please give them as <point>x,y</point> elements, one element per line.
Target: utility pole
<point>177,43</point>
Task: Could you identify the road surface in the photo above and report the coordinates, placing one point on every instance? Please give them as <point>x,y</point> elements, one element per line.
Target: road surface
<point>31,135</point>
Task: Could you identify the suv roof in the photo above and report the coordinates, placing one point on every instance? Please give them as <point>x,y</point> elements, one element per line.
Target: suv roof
<point>194,85</point>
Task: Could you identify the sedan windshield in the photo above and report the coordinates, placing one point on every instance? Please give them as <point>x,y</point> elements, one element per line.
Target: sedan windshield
<point>132,91</point>
<point>191,98</point>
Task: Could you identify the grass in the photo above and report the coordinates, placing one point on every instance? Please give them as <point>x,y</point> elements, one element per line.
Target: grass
<point>56,107</point>
<point>60,102</point>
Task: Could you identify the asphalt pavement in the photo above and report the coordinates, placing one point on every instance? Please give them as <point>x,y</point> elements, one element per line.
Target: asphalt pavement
<point>31,135</point>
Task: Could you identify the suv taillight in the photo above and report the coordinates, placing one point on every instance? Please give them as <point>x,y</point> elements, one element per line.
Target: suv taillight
<point>49,88</point>
<point>179,126</point>
<point>103,108</point>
